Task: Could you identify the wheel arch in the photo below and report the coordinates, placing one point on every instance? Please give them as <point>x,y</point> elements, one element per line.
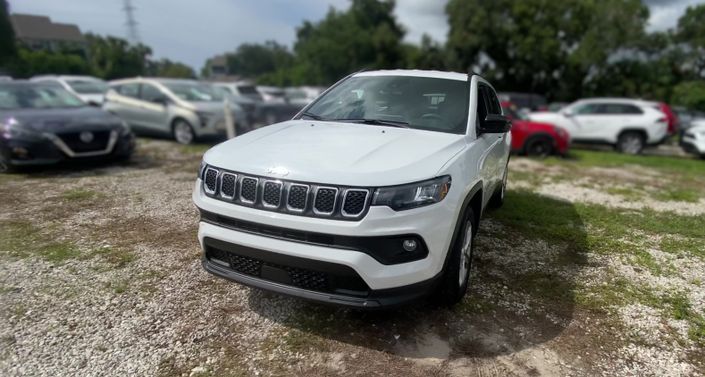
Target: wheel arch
<point>473,199</point>
<point>638,130</point>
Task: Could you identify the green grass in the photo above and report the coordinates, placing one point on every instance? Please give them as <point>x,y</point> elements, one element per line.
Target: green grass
<point>116,257</point>
<point>678,195</point>
<point>679,307</point>
<point>677,245</point>
<point>683,166</point>
<point>79,195</point>
<point>627,193</point>
<point>21,239</point>
<point>198,149</point>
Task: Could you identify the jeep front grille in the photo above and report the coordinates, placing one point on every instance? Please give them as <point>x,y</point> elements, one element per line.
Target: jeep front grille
<point>298,198</point>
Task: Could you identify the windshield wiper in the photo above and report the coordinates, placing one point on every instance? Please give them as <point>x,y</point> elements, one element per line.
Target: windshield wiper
<point>312,116</point>
<point>377,122</point>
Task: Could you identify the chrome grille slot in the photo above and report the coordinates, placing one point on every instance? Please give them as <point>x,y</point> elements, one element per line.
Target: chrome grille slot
<point>324,200</point>
<point>271,194</point>
<point>297,198</point>
<point>210,181</point>
<point>227,185</point>
<point>354,202</point>
<point>248,190</point>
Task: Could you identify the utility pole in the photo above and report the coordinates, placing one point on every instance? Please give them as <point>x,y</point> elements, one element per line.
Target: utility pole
<point>131,23</point>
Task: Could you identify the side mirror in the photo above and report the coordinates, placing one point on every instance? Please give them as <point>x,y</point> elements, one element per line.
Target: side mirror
<point>495,124</point>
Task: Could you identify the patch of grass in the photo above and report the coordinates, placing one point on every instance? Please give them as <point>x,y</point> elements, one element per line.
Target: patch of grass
<point>553,289</point>
<point>21,239</point>
<point>677,245</point>
<point>627,193</point>
<point>198,149</point>
<point>680,308</point>
<point>79,195</point>
<point>117,257</point>
<point>119,287</point>
<point>684,166</point>
<point>617,291</point>
<point>678,195</point>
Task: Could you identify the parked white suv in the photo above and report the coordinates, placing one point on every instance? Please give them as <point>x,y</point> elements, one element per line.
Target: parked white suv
<point>627,124</point>
<point>369,197</point>
<point>693,140</point>
<point>88,88</point>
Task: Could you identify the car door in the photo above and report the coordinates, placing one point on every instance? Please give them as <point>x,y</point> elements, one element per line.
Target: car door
<point>494,144</point>
<point>154,112</point>
<point>124,101</point>
<point>591,121</point>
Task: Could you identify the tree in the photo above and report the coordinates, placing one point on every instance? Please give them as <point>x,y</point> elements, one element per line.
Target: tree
<point>550,47</point>
<point>690,94</point>
<point>691,31</point>
<point>29,63</point>
<point>252,60</point>
<point>168,68</point>
<point>8,49</point>
<point>429,55</point>
<point>112,57</point>
<point>364,36</point>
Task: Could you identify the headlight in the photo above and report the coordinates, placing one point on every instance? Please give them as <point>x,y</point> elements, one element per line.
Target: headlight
<point>13,130</point>
<point>412,195</point>
<point>124,128</point>
<point>204,117</point>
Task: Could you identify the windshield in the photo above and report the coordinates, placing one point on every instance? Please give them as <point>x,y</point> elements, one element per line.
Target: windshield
<point>88,86</point>
<point>36,97</point>
<point>421,102</point>
<point>196,92</point>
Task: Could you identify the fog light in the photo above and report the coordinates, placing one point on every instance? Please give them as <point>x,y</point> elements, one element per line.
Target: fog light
<point>20,152</point>
<point>409,245</point>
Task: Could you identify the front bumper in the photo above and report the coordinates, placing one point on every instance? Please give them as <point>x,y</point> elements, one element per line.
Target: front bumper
<point>47,151</point>
<point>434,224</point>
<point>693,145</point>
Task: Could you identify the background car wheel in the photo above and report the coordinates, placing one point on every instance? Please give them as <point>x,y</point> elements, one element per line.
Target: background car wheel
<point>183,132</point>
<point>455,279</point>
<point>5,166</point>
<point>539,147</point>
<point>630,143</point>
<point>497,198</point>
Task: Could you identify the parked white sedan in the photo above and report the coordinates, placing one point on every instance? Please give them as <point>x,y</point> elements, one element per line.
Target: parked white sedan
<point>627,124</point>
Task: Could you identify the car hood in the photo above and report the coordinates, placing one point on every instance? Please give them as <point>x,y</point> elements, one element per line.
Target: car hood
<point>338,153</point>
<point>62,119</point>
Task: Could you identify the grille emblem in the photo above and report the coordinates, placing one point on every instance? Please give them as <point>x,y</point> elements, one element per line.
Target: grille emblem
<point>86,136</point>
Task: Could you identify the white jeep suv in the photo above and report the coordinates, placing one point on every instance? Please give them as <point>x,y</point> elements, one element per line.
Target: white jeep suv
<point>627,124</point>
<point>370,197</point>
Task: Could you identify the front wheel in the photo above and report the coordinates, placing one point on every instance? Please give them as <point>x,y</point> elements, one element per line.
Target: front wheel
<point>455,279</point>
<point>631,143</point>
<point>539,147</point>
<point>183,132</point>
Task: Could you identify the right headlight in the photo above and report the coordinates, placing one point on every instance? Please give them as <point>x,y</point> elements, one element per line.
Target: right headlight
<point>12,129</point>
<point>412,195</point>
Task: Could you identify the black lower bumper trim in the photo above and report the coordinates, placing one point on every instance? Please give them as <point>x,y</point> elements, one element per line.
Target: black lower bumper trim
<point>277,281</point>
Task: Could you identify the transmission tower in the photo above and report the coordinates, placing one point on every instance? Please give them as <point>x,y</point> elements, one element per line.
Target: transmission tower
<point>132,34</point>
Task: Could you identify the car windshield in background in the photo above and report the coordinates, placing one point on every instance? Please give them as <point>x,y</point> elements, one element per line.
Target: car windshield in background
<point>195,92</point>
<point>88,86</point>
<point>36,97</point>
<point>417,102</point>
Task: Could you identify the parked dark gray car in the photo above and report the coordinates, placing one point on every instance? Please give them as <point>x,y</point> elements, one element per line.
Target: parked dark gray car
<point>45,124</point>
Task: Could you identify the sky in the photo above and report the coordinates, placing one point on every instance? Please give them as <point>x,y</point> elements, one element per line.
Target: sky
<point>191,31</point>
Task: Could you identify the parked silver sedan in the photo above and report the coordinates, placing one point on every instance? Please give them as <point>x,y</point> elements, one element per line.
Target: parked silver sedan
<point>184,109</point>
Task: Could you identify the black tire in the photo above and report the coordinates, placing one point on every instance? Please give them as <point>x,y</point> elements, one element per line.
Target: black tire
<point>631,142</point>
<point>539,147</point>
<point>497,199</point>
<point>182,132</point>
<point>5,166</point>
<point>452,287</point>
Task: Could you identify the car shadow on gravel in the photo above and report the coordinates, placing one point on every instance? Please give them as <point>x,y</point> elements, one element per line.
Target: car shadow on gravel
<point>528,256</point>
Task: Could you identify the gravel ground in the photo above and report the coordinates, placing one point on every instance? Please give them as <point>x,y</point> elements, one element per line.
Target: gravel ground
<point>100,276</point>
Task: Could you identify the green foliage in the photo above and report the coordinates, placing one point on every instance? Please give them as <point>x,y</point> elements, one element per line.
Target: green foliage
<point>7,36</point>
<point>252,60</point>
<point>29,63</point>
<point>168,68</point>
<point>690,94</point>
<point>111,57</point>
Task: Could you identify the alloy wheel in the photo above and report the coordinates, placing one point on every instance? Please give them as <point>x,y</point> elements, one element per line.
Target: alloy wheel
<point>183,133</point>
<point>465,254</point>
<point>632,144</point>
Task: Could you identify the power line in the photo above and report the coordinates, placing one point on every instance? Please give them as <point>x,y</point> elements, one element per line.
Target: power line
<point>130,22</point>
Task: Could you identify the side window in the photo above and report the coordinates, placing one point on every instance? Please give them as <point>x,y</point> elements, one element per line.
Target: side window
<point>492,101</point>
<point>587,109</point>
<point>151,93</point>
<point>621,108</point>
<point>482,104</point>
<point>128,90</point>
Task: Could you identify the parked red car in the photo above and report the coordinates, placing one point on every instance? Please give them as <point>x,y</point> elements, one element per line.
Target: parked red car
<point>533,138</point>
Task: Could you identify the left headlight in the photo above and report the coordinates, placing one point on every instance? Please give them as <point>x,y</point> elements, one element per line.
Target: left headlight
<point>412,195</point>
<point>12,129</point>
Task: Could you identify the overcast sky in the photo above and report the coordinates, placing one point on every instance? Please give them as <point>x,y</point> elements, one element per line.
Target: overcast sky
<point>191,31</point>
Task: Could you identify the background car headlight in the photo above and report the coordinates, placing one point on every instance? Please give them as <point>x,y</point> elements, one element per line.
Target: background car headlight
<point>11,129</point>
<point>412,195</point>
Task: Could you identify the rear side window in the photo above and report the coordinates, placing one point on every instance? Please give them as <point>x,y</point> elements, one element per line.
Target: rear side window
<point>128,90</point>
<point>619,108</point>
<point>151,93</point>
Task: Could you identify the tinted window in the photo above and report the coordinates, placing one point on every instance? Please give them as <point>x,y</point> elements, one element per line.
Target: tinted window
<point>129,90</point>
<point>151,93</point>
<point>585,109</point>
<point>88,86</point>
<point>618,108</point>
<point>36,97</point>
<point>492,101</point>
<point>421,102</point>
<point>195,92</point>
